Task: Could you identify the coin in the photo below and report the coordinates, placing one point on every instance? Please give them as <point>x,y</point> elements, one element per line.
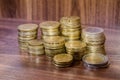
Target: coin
<point>27,27</point>
<point>52,52</point>
<point>50,25</point>
<point>62,60</point>
<point>70,21</point>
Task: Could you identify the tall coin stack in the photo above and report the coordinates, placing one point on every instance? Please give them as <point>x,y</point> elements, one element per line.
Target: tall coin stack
<point>95,39</point>
<point>54,44</point>
<point>70,28</point>
<point>26,32</point>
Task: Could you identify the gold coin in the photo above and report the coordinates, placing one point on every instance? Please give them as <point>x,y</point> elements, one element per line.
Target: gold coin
<point>35,42</point>
<point>49,25</point>
<point>53,52</point>
<point>26,39</point>
<point>27,34</point>
<point>35,52</point>
<point>72,20</point>
<point>63,58</point>
<point>75,44</point>
<point>27,27</point>
<point>70,26</point>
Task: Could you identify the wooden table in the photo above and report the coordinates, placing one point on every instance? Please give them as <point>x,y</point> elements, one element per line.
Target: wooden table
<point>16,66</point>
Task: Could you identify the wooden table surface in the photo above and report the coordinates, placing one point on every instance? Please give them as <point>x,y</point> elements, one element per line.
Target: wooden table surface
<point>17,66</point>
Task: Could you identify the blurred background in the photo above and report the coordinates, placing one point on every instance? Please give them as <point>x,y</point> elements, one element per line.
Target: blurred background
<point>102,13</point>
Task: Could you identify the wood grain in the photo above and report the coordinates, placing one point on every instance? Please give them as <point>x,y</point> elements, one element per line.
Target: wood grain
<point>15,65</point>
<point>103,13</point>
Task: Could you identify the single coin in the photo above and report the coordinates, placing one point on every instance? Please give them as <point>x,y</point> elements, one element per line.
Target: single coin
<point>27,27</point>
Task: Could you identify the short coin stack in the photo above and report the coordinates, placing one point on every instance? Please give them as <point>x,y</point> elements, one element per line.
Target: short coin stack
<point>95,39</point>
<point>35,47</point>
<point>26,32</point>
<point>63,60</point>
<point>70,28</point>
<point>54,45</point>
<point>76,48</point>
<point>50,28</point>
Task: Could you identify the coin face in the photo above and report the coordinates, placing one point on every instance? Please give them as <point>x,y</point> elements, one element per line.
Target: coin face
<point>27,27</point>
<point>49,25</point>
<point>61,58</point>
<point>95,59</point>
<point>70,21</point>
<point>75,44</point>
<point>93,30</point>
<point>35,42</point>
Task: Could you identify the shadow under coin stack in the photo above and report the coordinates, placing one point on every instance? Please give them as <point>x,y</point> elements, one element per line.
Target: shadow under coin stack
<point>76,48</point>
<point>26,32</point>
<point>54,45</point>
<point>70,28</point>
<point>95,39</point>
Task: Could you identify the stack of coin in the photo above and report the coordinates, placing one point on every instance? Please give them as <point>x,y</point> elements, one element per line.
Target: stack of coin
<point>50,28</point>
<point>63,60</point>
<point>95,39</point>
<point>76,48</point>
<point>95,61</point>
<point>35,47</point>
<point>26,32</point>
<point>70,28</point>
<point>54,45</point>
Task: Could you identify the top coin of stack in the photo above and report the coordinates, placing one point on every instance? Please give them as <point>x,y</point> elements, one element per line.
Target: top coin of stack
<point>93,36</point>
<point>71,27</point>
<point>50,28</point>
<point>26,32</point>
